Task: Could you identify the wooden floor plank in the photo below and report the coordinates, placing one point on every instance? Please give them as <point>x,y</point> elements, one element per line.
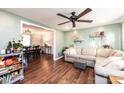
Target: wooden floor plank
<point>45,71</point>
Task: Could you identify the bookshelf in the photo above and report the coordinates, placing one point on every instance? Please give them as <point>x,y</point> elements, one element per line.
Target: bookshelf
<point>11,68</point>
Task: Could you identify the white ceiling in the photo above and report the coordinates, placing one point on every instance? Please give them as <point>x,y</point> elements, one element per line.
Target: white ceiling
<point>47,16</point>
<point>36,30</point>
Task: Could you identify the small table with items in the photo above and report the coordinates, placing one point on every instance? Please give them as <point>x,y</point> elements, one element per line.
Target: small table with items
<point>47,49</point>
<point>116,79</point>
<point>80,64</point>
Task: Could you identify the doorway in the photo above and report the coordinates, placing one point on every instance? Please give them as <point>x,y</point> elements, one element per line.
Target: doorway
<point>34,35</point>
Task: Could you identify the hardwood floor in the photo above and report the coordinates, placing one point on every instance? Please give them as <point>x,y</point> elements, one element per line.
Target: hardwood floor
<point>45,71</point>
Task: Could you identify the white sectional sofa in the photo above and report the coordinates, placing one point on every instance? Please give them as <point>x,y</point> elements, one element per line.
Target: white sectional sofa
<point>105,61</point>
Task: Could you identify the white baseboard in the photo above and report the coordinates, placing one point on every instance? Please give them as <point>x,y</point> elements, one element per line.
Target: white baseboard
<point>58,58</point>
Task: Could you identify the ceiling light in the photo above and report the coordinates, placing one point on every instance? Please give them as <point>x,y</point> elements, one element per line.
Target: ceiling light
<point>67,27</point>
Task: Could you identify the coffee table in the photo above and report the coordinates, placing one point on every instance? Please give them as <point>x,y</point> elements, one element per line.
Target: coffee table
<point>80,64</point>
<point>114,79</point>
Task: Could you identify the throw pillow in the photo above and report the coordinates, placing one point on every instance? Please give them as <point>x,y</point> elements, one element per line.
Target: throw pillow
<point>89,51</point>
<point>78,50</point>
<point>66,52</point>
<point>72,51</point>
<point>101,52</point>
<point>113,53</point>
<point>116,53</point>
<point>122,58</point>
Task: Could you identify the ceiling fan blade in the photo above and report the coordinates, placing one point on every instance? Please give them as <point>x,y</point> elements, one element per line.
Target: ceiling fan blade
<point>84,12</point>
<point>88,21</point>
<point>73,23</point>
<point>64,23</point>
<point>62,15</point>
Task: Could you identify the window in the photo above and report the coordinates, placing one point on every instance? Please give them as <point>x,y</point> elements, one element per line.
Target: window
<point>26,40</point>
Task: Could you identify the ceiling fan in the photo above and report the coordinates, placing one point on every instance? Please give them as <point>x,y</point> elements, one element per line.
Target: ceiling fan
<point>75,18</point>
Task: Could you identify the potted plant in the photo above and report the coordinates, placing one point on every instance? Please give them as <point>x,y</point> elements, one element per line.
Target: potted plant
<point>63,50</point>
<point>107,46</point>
<point>9,47</point>
<point>17,47</point>
<point>20,46</point>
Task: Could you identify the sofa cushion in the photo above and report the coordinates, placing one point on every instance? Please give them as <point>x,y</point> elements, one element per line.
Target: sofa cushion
<point>103,71</point>
<point>78,50</point>
<point>89,51</point>
<point>72,51</point>
<point>99,60</point>
<point>73,56</point>
<point>117,53</point>
<point>87,57</point>
<point>69,59</point>
<point>102,52</point>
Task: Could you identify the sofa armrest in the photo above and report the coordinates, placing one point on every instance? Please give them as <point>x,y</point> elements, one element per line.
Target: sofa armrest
<point>105,72</point>
<point>66,52</point>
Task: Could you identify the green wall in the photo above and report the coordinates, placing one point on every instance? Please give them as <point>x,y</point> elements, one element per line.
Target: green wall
<point>10,28</point>
<point>112,32</point>
<point>59,43</point>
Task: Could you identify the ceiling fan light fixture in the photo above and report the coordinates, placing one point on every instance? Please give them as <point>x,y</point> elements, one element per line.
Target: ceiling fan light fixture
<point>67,27</point>
<point>75,18</point>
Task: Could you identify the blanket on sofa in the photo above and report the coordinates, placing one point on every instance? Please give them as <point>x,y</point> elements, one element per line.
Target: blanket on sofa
<point>116,63</point>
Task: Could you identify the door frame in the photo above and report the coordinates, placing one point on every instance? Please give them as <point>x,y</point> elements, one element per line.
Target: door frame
<point>46,28</point>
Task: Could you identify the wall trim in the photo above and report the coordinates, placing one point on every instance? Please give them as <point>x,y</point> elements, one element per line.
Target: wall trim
<point>54,32</point>
<point>58,58</point>
<point>122,36</point>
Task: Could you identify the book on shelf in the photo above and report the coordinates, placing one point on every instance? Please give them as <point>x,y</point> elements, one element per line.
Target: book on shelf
<point>11,68</point>
<point>9,77</point>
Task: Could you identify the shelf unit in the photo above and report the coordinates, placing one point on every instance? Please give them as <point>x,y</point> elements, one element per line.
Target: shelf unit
<point>78,41</point>
<point>14,72</point>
